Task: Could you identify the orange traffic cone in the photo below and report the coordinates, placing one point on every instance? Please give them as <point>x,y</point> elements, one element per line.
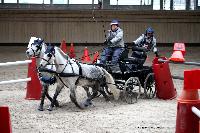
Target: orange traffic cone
<point>86,57</point>
<point>63,46</point>
<point>164,84</point>
<point>71,51</point>
<point>180,47</point>
<point>96,56</point>
<point>186,120</point>
<point>33,87</point>
<point>179,52</point>
<point>177,56</point>
<point>5,123</point>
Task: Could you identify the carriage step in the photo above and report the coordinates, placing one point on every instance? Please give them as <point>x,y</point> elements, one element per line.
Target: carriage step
<point>116,72</point>
<point>120,81</point>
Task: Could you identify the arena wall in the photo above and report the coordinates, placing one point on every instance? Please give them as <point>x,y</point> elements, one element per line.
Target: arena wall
<point>90,26</point>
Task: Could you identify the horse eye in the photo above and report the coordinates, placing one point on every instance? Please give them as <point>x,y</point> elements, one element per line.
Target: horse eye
<point>49,55</point>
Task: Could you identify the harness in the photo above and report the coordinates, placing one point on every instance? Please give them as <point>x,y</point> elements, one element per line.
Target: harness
<point>62,74</point>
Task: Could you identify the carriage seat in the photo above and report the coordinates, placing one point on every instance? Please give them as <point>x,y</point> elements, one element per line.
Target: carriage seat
<point>134,60</point>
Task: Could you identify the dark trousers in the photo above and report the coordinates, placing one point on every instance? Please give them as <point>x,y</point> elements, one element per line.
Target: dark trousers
<point>113,53</point>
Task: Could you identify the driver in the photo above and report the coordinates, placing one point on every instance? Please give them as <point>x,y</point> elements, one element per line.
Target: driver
<point>114,42</point>
<point>114,46</point>
<point>145,43</point>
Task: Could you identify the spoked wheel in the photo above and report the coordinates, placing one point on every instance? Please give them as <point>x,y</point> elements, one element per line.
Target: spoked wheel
<point>149,86</point>
<point>132,90</point>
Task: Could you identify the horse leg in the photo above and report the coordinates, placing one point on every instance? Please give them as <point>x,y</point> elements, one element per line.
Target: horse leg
<point>73,96</point>
<point>58,90</point>
<point>56,103</point>
<point>89,99</point>
<point>87,91</point>
<point>95,93</point>
<point>104,94</point>
<point>44,90</point>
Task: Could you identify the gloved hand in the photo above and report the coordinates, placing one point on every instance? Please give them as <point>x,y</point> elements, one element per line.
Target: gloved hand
<point>106,42</point>
<point>109,42</point>
<point>156,53</point>
<point>109,38</point>
<point>155,50</point>
<point>133,46</point>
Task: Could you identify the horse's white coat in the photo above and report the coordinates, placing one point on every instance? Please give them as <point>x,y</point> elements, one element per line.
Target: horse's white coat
<point>69,66</point>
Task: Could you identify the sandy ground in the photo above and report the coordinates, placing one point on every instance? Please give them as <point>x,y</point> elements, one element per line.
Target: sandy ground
<point>145,116</point>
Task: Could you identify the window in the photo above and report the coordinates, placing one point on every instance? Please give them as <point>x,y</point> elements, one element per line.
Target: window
<point>166,4</point>
<point>82,1</point>
<point>60,1</point>
<point>34,2</point>
<point>130,2</point>
<point>179,4</point>
<point>192,5</point>
<point>10,1</point>
<point>156,5</point>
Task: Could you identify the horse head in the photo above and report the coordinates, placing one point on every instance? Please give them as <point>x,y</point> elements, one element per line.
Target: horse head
<point>48,57</point>
<point>34,47</point>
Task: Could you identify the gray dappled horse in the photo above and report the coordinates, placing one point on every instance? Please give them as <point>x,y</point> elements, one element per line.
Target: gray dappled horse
<point>36,48</point>
<point>72,74</point>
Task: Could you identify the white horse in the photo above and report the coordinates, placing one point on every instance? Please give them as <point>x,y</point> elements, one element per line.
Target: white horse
<point>36,48</point>
<point>72,74</point>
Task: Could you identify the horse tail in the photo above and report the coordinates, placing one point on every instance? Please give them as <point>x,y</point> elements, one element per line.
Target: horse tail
<point>111,84</point>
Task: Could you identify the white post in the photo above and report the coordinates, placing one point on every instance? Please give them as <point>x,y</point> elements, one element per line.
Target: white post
<point>16,63</point>
<point>15,81</point>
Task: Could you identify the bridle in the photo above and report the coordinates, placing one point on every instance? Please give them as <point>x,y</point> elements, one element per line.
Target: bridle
<point>39,48</point>
<point>50,56</point>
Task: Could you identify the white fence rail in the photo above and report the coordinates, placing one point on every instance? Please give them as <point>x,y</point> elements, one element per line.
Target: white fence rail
<point>196,111</point>
<point>15,81</point>
<point>14,64</point>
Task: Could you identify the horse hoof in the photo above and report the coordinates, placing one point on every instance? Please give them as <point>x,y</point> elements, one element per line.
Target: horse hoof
<point>87,103</point>
<point>57,104</point>
<point>40,109</point>
<point>49,108</point>
<point>90,103</point>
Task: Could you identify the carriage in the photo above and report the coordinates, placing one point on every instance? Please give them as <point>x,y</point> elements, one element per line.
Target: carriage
<point>134,79</point>
<point>131,78</point>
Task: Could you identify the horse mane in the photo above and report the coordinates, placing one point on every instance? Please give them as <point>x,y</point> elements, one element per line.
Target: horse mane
<point>62,53</point>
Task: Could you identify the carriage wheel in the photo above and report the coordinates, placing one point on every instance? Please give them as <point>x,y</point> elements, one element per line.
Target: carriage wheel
<point>149,86</point>
<point>132,90</point>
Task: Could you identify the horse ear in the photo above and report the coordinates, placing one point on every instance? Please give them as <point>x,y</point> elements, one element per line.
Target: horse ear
<point>40,41</point>
<point>35,41</point>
